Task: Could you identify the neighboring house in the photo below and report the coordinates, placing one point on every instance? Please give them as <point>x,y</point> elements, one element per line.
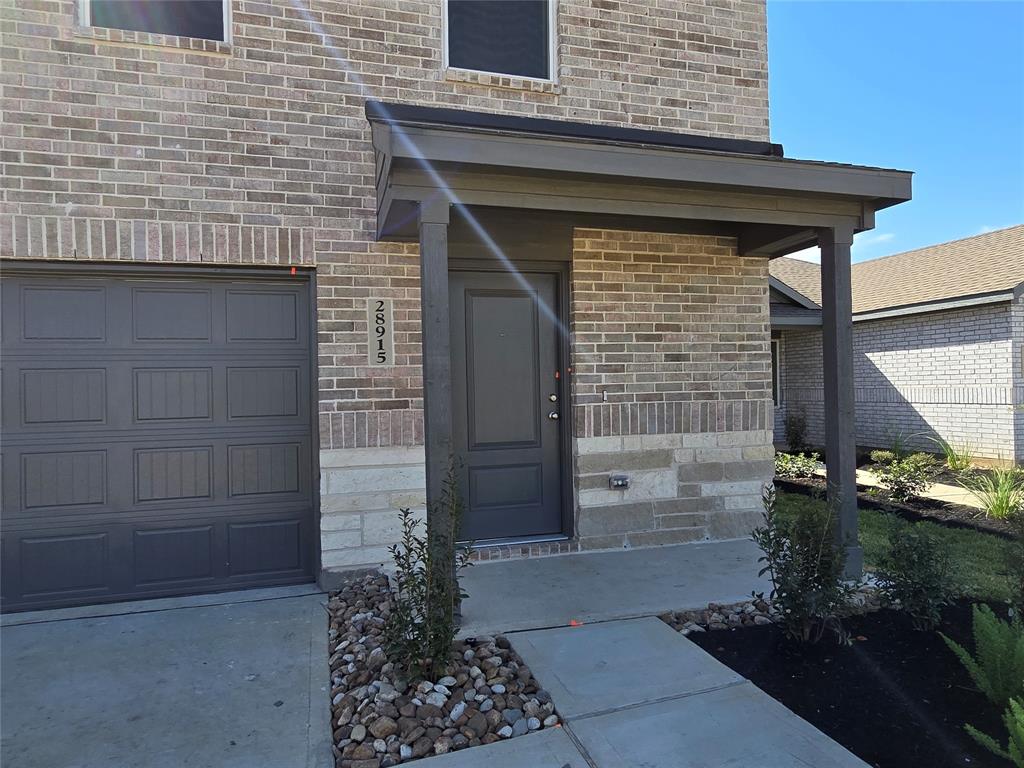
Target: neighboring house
<point>222,367</point>
<point>938,343</point>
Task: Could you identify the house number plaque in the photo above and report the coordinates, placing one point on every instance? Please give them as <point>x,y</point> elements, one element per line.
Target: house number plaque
<point>380,317</point>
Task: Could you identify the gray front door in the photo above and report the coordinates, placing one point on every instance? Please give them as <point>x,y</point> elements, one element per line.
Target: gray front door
<point>156,434</point>
<point>505,364</point>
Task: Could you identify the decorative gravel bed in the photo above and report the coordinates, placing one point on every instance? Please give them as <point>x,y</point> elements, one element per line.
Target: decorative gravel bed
<point>751,613</point>
<point>379,719</point>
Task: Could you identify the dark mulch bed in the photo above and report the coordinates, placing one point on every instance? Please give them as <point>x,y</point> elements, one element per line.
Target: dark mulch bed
<point>896,698</point>
<point>950,515</point>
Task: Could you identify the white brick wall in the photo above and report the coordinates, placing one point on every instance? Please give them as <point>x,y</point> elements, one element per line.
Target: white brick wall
<point>948,373</point>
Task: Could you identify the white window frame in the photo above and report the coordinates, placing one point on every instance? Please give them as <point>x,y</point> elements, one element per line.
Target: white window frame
<point>85,20</point>
<point>552,48</point>
<point>776,350</point>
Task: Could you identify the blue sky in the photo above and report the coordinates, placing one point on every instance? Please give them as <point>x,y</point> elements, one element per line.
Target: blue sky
<point>932,87</point>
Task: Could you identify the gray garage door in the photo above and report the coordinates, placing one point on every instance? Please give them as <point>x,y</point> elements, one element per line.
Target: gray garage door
<point>156,434</point>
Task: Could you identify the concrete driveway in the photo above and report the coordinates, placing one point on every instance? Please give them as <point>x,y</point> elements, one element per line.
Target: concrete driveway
<point>222,680</point>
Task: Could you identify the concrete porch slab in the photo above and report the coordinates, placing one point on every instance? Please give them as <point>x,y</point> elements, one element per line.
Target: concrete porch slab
<point>734,726</point>
<point>600,667</point>
<point>601,586</point>
<point>551,747</point>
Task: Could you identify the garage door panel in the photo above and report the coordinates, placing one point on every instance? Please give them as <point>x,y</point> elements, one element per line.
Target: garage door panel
<point>63,479</point>
<point>63,313</point>
<point>168,556</point>
<point>63,396</point>
<point>268,315</point>
<point>172,394</point>
<point>157,436</point>
<point>267,547</point>
<point>64,564</point>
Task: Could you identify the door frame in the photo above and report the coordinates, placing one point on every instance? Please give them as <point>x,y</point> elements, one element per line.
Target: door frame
<point>560,271</point>
<point>306,274</point>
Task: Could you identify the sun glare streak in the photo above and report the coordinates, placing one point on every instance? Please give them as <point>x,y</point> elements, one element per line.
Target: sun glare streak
<point>478,228</point>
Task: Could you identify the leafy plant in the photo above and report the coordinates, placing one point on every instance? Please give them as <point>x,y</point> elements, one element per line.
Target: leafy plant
<point>419,632</point>
<point>958,459</point>
<point>998,665</point>
<point>916,572</point>
<point>805,564</point>
<point>904,476</point>
<point>899,442</point>
<point>795,464</point>
<point>1013,718</point>
<point>1000,491</point>
<point>796,430</point>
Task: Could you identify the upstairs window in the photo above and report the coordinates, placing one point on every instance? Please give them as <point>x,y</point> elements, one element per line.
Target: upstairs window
<point>203,19</point>
<point>502,37</point>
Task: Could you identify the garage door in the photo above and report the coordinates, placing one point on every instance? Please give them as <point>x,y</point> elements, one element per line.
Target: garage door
<point>156,434</point>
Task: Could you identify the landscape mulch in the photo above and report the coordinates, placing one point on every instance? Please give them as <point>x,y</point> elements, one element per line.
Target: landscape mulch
<point>896,697</point>
<point>949,515</point>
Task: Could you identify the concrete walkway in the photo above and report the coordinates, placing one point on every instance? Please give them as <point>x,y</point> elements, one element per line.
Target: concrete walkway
<point>637,693</point>
<point>600,586</point>
<point>228,680</point>
<point>950,494</point>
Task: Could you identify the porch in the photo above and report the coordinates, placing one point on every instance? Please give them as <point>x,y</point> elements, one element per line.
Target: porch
<point>678,391</point>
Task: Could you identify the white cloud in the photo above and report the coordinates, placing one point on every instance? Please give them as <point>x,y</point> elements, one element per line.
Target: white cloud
<point>986,228</point>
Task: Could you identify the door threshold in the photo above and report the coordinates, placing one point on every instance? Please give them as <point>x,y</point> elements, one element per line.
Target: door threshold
<point>520,541</point>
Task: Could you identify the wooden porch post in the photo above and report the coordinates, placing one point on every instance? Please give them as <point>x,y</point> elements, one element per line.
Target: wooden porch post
<point>436,345</point>
<point>840,424</point>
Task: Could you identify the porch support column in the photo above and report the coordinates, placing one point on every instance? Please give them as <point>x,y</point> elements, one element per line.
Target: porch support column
<point>436,346</point>
<point>840,424</point>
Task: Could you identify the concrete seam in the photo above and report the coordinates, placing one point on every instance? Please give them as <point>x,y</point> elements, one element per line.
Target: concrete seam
<point>663,699</point>
<point>584,753</point>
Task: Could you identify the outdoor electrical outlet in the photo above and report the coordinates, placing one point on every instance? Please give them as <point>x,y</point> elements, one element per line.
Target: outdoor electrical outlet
<point>618,482</point>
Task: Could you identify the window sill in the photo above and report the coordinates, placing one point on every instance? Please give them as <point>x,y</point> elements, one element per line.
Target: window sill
<point>510,82</point>
<point>131,37</point>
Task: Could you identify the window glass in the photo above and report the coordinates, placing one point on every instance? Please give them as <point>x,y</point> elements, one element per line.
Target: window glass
<point>775,372</point>
<point>507,37</point>
<point>187,18</point>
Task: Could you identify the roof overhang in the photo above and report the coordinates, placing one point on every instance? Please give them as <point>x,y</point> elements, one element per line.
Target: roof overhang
<point>794,317</point>
<point>775,205</point>
<point>791,293</point>
<point>960,302</point>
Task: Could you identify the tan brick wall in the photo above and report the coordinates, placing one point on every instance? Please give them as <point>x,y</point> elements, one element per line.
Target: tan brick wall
<point>670,335</point>
<point>138,147</point>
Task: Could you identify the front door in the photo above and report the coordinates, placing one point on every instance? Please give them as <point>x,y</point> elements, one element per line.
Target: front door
<point>507,403</point>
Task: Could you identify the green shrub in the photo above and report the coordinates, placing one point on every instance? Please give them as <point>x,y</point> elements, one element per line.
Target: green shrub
<point>419,632</point>
<point>916,572</point>
<point>1013,718</point>
<point>796,430</point>
<point>958,459</point>
<point>805,565</point>
<point>997,667</point>
<point>1000,491</point>
<point>1015,562</point>
<point>795,464</point>
<point>904,476</point>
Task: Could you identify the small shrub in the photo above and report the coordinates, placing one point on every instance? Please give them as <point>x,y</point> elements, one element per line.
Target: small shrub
<point>796,430</point>
<point>904,476</point>
<point>916,572</point>
<point>1000,491</point>
<point>899,442</point>
<point>420,629</point>
<point>795,464</point>
<point>958,459</point>
<point>805,565</point>
<point>1013,719</point>
<point>997,667</point>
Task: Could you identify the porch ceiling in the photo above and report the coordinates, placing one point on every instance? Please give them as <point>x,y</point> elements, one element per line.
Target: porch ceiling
<point>427,156</point>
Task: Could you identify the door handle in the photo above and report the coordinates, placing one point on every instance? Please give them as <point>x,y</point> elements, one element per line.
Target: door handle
<point>553,415</point>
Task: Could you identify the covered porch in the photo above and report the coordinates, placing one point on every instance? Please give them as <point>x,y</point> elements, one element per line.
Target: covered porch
<point>447,177</point>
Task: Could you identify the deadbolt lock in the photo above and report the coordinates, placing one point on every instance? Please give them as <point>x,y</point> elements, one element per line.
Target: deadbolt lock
<point>553,397</point>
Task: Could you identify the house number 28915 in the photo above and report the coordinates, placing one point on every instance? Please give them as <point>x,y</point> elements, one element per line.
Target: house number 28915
<point>380,330</point>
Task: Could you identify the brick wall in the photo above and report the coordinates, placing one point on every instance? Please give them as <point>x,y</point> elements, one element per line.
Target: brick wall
<point>120,145</point>
<point>946,372</point>
<point>671,386</point>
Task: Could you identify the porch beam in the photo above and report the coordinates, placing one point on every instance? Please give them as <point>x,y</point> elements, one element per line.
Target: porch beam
<point>837,356</point>
<point>437,360</point>
<point>773,239</point>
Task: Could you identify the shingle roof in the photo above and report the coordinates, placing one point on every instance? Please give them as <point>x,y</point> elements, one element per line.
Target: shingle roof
<point>986,263</point>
